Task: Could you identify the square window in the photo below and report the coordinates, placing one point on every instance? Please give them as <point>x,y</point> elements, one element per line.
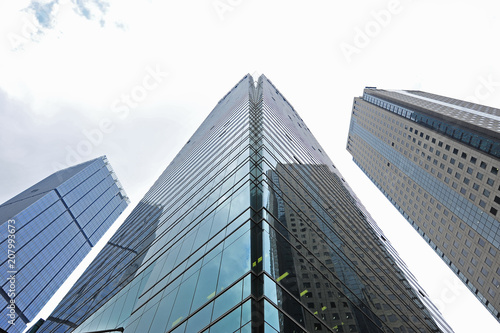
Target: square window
<point>497,199</point>
<point>490,182</point>
<point>477,252</point>
<point>452,161</point>
<point>486,193</point>
<point>482,165</point>
<point>473,160</point>
<point>479,176</point>
<point>481,242</point>
<point>473,261</point>
<point>494,170</point>
<point>475,186</point>
<point>493,211</point>
<point>482,203</point>
<point>455,151</point>
<point>488,261</point>
<point>493,251</point>
<point>460,165</point>
<point>466,180</point>
<point>464,155</point>
<point>469,170</point>
<point>480,280</point>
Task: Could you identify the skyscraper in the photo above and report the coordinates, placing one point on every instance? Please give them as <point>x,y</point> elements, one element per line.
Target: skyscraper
<point>436,159</point>
<point>251,228</point>
<point>46,232</point>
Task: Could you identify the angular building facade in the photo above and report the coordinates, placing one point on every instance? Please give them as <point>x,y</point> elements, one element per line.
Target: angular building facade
<point>437,159</point>
<point>48,230</point>
<point>251,228</point>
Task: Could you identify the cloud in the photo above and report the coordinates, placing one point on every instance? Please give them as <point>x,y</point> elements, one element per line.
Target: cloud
<point>45,13</point>
<point>92,9</point>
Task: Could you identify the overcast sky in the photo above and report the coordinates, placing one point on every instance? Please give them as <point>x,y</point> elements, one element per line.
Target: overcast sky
<point>134,79</point>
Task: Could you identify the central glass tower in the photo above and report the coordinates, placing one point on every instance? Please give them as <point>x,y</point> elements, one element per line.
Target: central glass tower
<point>251,228</point>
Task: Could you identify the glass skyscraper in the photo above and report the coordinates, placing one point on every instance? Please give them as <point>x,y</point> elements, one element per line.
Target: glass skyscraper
<point>251,228</point>
<point>436,159</point>
<point>47,230</point>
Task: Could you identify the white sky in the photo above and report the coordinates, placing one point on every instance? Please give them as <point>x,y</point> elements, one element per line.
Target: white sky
<point>66,79</point>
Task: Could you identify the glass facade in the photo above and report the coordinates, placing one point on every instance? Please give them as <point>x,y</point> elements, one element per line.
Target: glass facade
<point>249,229</point>
<point>49,229</point>
<point>437,159</point>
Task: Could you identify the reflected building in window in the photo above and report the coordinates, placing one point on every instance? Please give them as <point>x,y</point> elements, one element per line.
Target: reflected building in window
<point>251,228</point>
<point>436,159</point>
<point>49,229</point>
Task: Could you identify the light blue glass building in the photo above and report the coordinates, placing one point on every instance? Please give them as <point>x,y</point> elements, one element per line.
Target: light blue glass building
<point>251,228</point>
<point>47,230</point>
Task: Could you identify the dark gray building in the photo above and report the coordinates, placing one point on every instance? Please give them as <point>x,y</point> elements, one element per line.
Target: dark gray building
<point>251,228</point>
<point>47,230</point>
<point>436,159</point>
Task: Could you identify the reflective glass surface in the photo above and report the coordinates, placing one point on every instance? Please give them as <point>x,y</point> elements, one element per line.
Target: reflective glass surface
<point>249,229</point>
<point>73,209</point>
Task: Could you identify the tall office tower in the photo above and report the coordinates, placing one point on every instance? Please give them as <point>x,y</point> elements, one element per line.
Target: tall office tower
<point>249,229</point>
<point>47,230</point>
<point>436,159</point>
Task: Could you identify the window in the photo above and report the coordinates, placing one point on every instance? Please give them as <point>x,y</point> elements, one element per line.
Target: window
<point>469,170</point>
<point>460,165</point>
<point>480,280</point>
<point>490,182</point>
<point>486,193</point>
<point>481,242</point>
<point>492,251</point>
<point>447,147</point>
<point>455,151</point>
<point>477,252</point>
<point>497,199</point>
<point>494,211</point>
<point>479,176</point>
<point>473,261</point>
<point>482,165</point>
<point>494,170</point>
<point>473,160</point>
<point>488,261</point>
